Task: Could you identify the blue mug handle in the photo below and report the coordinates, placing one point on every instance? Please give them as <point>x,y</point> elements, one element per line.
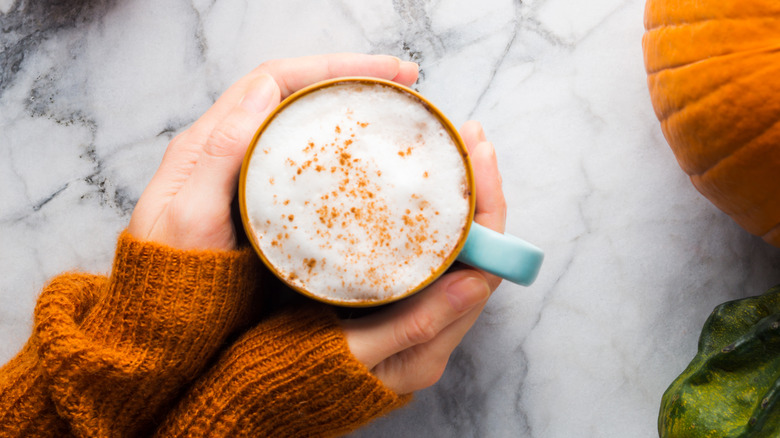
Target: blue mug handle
<point>501,254</point>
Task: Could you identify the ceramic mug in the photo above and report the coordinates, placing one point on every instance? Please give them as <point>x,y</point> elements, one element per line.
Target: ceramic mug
<point>359,192</point>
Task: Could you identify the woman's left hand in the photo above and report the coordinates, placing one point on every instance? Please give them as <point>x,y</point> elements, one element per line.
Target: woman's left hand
<point>187,204</point>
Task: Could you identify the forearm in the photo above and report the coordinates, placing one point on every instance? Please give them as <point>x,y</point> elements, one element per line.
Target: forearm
<point>112,355</point>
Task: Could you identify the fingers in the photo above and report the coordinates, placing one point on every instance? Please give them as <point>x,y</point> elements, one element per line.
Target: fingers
<point>491,204</point>
<point>472,133</point>
<point>294,74</point>
<point>407,73</point>
<point>416,321</point>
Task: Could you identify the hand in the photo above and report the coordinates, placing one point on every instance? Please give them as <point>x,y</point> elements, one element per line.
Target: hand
<point>407,346</point>
<point>187,203</point>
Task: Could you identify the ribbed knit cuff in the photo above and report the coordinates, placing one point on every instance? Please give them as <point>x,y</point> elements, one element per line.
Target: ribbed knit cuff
<point>173,301</point>
<point>291,376</point>
<point>119,357</point>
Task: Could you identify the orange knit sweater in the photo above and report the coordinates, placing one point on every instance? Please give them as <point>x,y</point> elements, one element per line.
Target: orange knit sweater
<point>160,348</point>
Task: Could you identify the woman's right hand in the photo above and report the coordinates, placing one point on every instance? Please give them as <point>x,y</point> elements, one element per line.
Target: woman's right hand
<point>408,345</point>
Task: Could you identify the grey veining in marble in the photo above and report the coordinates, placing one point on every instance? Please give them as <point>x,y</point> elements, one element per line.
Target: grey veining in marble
<point>92,91</point>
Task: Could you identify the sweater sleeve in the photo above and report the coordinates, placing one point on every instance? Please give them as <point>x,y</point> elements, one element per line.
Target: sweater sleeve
<point>108,357</point>
<point>290,376</point>
<point>26,409</point>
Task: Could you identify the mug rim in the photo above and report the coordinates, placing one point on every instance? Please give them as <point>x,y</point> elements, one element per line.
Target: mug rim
<point>431,108</point>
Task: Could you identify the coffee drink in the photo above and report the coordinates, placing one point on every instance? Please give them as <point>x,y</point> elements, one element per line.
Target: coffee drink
<point>357,192</point>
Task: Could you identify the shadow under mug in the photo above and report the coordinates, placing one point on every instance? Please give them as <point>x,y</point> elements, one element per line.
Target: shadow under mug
<point>504,255</point>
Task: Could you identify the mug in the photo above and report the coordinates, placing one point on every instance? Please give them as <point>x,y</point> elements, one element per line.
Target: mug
<point>337,113</point>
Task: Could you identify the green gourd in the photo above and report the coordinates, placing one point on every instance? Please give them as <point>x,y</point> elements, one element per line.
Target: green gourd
<point>732,386</point>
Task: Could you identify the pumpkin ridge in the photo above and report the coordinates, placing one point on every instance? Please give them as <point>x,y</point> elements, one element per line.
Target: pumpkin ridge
<point>756,211</point>
<point>709,20</point>
<point>748,143</point>
<point>738,54</point>
<point>665,117</point>
<point>683,89</point>
<point>676,121</point>
<point>773,235</point>
<point>674,45</point>
<point>738,216</point>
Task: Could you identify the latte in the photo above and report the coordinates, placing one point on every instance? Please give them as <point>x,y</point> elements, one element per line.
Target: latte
<point>357,192</point>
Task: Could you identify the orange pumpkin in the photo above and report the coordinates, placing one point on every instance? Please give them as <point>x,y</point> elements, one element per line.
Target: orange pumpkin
<point>714,76</point>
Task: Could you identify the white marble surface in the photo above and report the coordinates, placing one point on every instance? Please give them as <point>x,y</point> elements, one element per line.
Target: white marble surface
<point>91,91</point>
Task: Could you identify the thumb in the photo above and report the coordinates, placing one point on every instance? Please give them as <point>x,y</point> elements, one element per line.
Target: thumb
<point>216,173</point>
<point>416,320</point>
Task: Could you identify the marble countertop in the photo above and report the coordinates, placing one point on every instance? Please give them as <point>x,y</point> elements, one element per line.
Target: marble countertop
<point>92,91</point>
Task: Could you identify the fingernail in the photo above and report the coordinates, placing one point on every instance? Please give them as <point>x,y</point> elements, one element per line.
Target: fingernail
<point>467,292</point>
<point>411,64</point>
<point>259,95</point>
<point>390,57</point>
<point>481,133</point>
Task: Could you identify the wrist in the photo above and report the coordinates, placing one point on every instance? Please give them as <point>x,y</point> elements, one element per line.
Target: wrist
<point>200,235</point>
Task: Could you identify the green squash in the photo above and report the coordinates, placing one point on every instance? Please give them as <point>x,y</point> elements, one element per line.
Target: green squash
<point>732,386</point>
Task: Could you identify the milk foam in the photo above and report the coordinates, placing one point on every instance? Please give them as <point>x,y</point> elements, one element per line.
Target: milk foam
<point>356,192</point>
